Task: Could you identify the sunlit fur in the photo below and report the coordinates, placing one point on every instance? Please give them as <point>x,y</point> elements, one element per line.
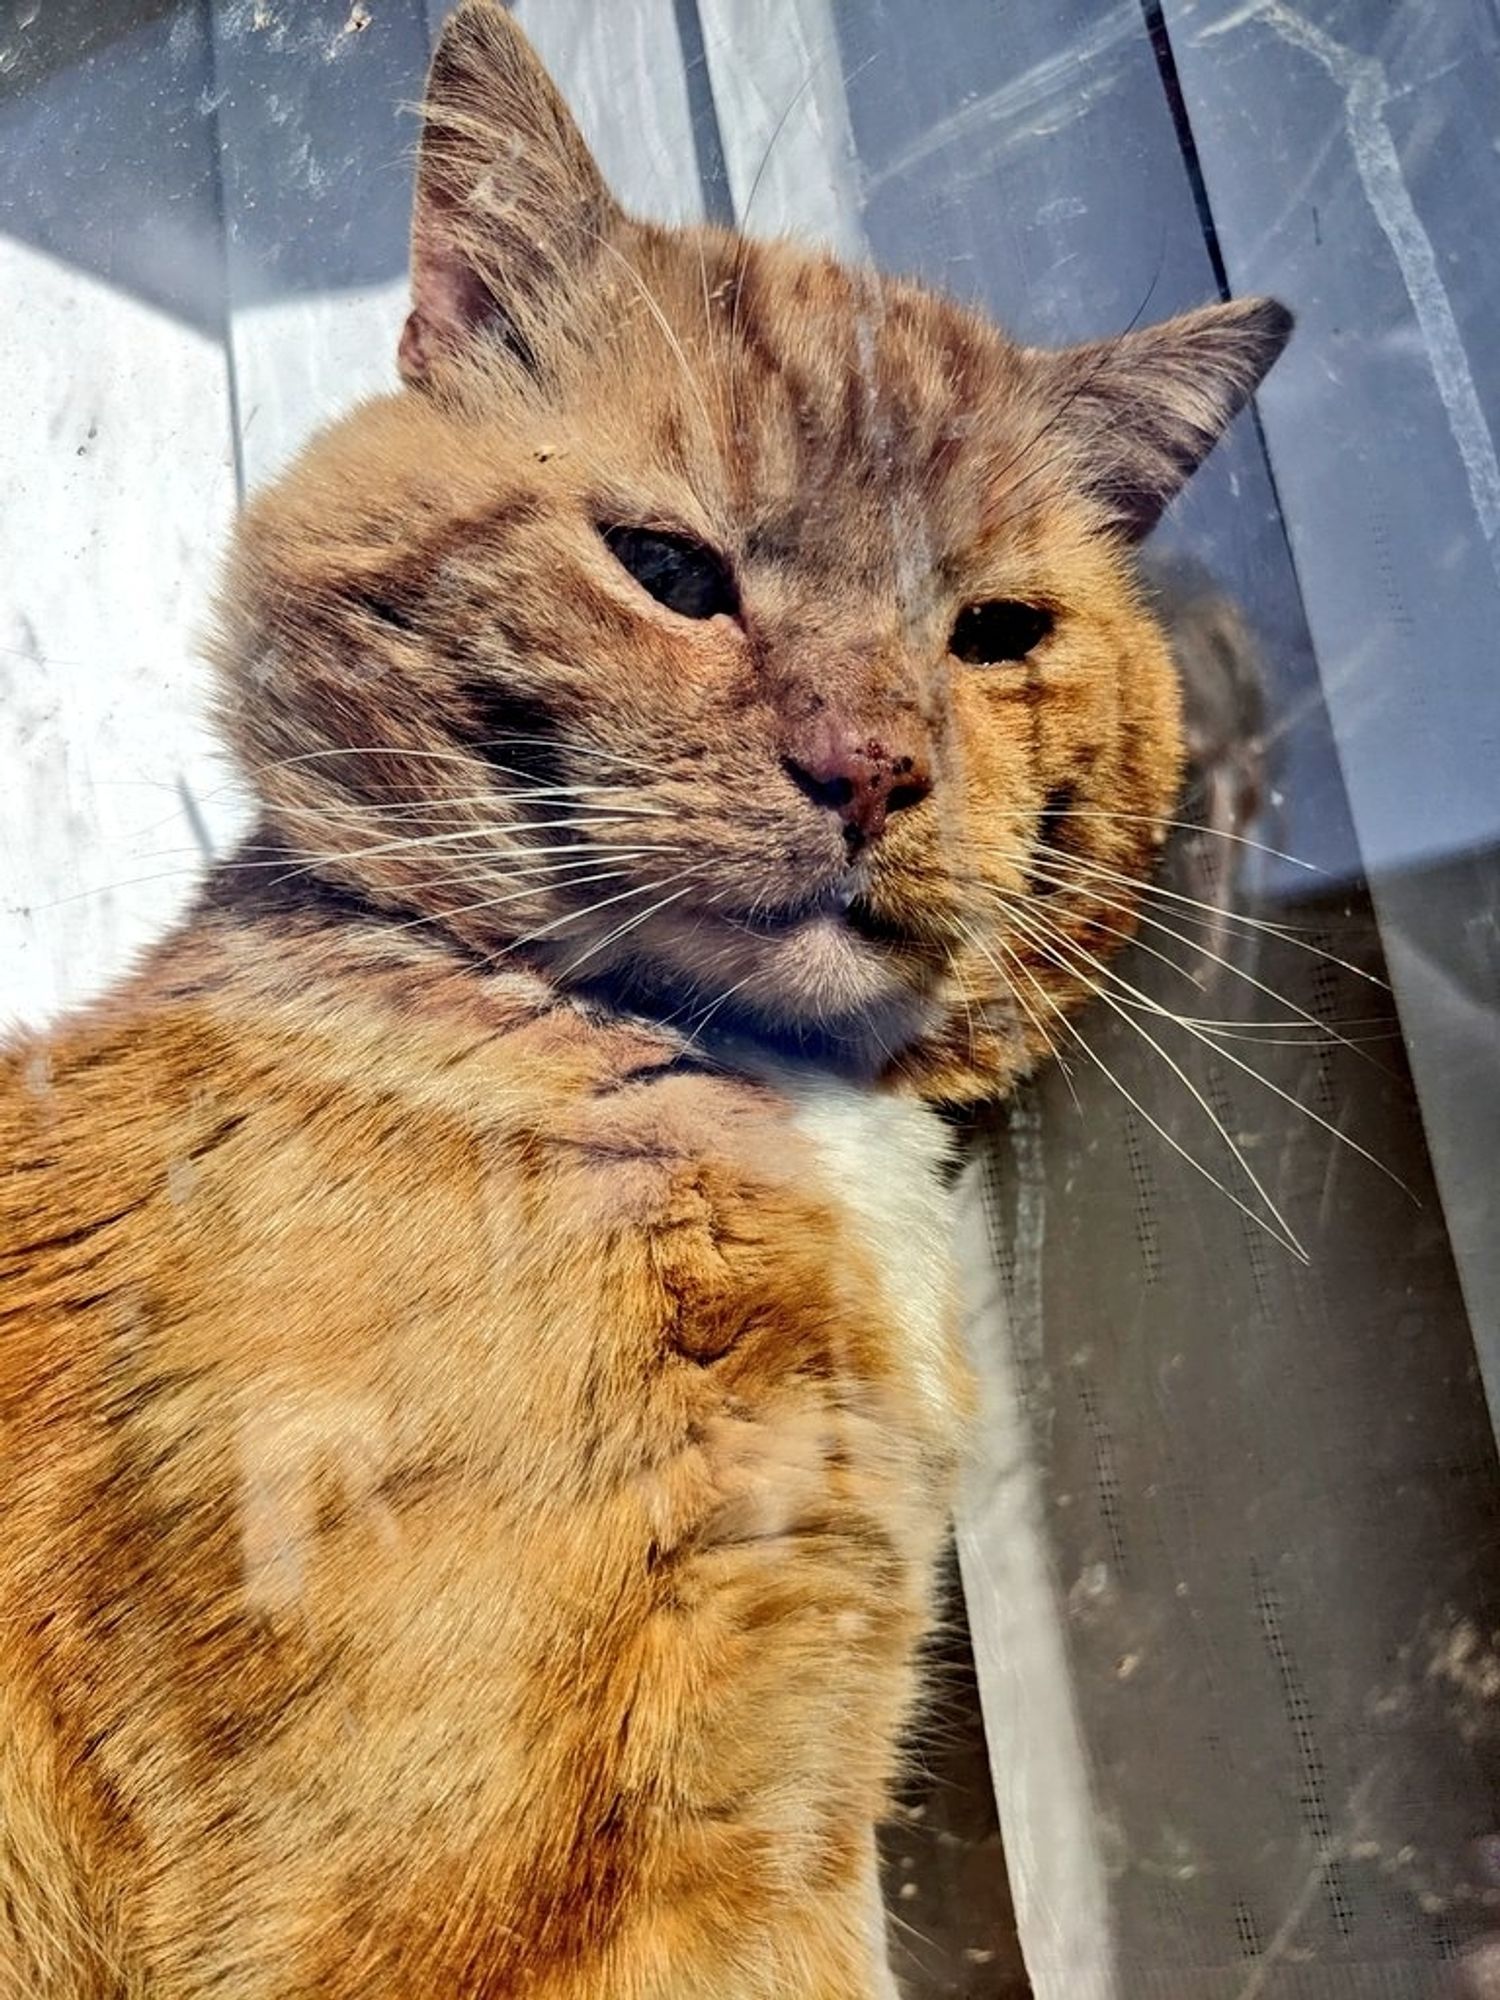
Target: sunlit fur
<point>478,1385</point>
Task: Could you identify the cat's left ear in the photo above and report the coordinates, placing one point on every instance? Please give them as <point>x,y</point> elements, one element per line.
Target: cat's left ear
<point>510,206</point>
<point>1146,409</point>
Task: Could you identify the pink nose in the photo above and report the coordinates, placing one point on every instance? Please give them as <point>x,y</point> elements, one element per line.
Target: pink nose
<point>863,776</point>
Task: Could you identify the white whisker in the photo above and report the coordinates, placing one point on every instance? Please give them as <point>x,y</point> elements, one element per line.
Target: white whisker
<point>1145,1002</point>
<point>512,896</point>
<point>465,756</point>
<point>589,909</point>
<point>630,924</point>
<point>1070,884</point>
<point>1186,826</point>
<point>1283,1230</point>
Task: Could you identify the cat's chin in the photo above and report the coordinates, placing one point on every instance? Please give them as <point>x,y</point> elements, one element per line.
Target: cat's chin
<point>815,984</point>
<point>824,969</point>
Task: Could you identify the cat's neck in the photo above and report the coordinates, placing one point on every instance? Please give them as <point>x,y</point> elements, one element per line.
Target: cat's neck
<point>269,912</point>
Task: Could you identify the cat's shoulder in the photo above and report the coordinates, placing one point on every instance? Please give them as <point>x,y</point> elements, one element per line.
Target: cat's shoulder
<point>335,1094</point>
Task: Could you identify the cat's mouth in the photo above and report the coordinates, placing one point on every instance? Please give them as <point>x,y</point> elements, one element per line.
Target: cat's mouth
<point>852,959</point>
<point>859,918</point>
<point>847,908</point>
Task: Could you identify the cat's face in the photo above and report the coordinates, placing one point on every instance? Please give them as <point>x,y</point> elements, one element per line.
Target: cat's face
<point>741,633</point>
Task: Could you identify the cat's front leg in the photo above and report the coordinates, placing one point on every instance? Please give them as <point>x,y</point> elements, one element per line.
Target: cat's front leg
<point>793,1500</point>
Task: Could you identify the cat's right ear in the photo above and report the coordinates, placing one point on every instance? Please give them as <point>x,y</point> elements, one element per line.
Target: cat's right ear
<point>510,206</point>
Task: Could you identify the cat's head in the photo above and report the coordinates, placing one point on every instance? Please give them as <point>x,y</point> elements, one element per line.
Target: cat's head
<point>721,626</point>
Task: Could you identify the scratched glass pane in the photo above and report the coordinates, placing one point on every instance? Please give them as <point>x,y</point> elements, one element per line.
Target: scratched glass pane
<point>1215,1712</point>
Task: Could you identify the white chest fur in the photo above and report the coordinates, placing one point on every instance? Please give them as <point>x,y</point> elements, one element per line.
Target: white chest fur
<point>884,1159</point>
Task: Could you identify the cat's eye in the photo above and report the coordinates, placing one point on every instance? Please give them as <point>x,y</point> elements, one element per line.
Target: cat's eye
<point>1001,629</point>
<point>680,573</point>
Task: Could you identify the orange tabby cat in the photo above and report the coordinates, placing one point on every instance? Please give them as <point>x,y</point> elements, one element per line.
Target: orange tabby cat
<point>479,1384</point>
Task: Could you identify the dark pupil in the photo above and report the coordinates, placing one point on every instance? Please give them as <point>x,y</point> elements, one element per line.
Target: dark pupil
<point>683,575</point>
<point>987,634</point>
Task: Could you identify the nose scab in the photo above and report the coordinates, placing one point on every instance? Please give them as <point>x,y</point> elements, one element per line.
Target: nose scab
<point>862,774</point>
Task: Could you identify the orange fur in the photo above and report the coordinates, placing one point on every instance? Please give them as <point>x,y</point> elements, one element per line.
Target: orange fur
<point>475,1441</point>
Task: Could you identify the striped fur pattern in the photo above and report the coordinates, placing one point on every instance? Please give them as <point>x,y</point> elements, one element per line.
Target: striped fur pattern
<point>478,1385</point>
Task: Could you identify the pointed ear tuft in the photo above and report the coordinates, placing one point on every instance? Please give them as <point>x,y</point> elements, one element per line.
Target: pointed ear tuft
<point>509,203</point>
<point>1146,409</point>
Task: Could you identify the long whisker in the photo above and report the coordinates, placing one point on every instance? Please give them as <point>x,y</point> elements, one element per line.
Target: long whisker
<point>971,1025</point>
<point>196,871</point>
<point>452,816</point>
<point>1020,999</point>
<point>610,800</point>
<point>1155,1123</point>
<point>1216,914</point>
<point>588,910</point>
<point>776,131</point>
<point>1316,1028</point>
<point>1185,826</point>
<point>1145,1002</point>
<point>429,840</point>
<point>455,756</point>
<point>1070,884</point>
<point>1287,1234</point>
<point>1019,965</point>
<point>458,848</point>
<point>630,924</point>
<point>1235,1031</point>
<point>455,841</point>
<point>512,896</point>
<point>593,856</point>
